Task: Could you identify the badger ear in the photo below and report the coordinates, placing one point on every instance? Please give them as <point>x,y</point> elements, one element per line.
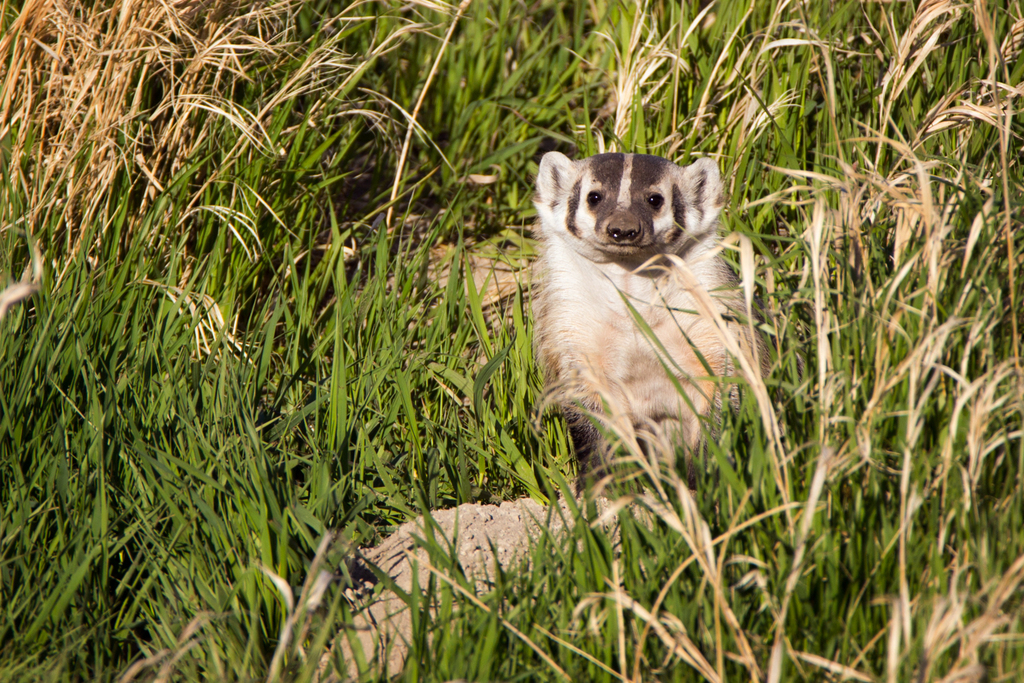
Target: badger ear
<point>701,185</point>
<point>555,177</point>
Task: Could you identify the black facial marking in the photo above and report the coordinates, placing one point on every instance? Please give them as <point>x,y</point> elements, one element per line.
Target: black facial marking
<point>678,208</point>
<point>648,171</point>
<point>648,176</point>
<point>570,211</point>
<point>606,170</point>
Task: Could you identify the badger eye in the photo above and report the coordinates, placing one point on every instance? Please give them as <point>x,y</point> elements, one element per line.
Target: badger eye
<point>594,198</point>
<point>655,200</point>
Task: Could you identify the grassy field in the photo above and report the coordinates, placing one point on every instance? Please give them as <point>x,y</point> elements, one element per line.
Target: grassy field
<point>267,274</point>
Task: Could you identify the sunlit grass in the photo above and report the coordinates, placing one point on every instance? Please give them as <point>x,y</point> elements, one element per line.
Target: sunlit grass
<point>218,348</point>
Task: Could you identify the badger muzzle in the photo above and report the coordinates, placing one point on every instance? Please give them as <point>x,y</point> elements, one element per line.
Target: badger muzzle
<point>625,229</point>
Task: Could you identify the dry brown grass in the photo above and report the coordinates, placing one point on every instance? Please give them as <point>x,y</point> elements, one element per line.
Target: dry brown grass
<point>118,89</point>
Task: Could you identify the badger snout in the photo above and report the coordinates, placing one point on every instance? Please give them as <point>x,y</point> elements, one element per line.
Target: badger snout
<point>624,228</point>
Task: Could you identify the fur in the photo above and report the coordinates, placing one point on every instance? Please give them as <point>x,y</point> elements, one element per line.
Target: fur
<point>604,224</point>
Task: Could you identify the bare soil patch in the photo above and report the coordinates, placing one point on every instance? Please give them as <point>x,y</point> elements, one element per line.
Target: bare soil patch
<point>481,534</point>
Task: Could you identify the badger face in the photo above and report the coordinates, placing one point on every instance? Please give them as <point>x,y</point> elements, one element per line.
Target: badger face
<point>627,207</point>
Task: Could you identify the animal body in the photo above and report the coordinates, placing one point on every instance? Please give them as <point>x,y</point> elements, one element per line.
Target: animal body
<point>609,225</point>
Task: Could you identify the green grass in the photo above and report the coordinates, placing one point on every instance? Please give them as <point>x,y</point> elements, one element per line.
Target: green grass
<point>233,351</point>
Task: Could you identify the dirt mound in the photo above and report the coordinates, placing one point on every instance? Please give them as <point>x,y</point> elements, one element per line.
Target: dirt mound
<point>384,625</point>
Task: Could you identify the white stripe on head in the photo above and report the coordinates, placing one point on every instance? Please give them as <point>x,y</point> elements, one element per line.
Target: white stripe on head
<point>627,171</point>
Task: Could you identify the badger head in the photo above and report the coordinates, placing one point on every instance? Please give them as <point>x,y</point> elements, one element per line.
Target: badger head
<point>628,207</point>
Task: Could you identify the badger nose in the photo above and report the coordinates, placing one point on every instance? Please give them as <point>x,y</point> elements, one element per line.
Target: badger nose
<point>624,229</point>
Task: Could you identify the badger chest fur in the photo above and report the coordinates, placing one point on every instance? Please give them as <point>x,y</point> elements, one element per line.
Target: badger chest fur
<point>607,225</point>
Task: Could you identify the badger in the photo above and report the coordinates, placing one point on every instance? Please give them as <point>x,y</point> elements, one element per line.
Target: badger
<point>609,226</point>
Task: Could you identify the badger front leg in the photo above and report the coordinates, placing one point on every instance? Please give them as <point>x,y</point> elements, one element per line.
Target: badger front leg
<point>589,445</point>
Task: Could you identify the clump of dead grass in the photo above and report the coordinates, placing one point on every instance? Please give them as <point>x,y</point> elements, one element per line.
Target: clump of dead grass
<point>97,94</point>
